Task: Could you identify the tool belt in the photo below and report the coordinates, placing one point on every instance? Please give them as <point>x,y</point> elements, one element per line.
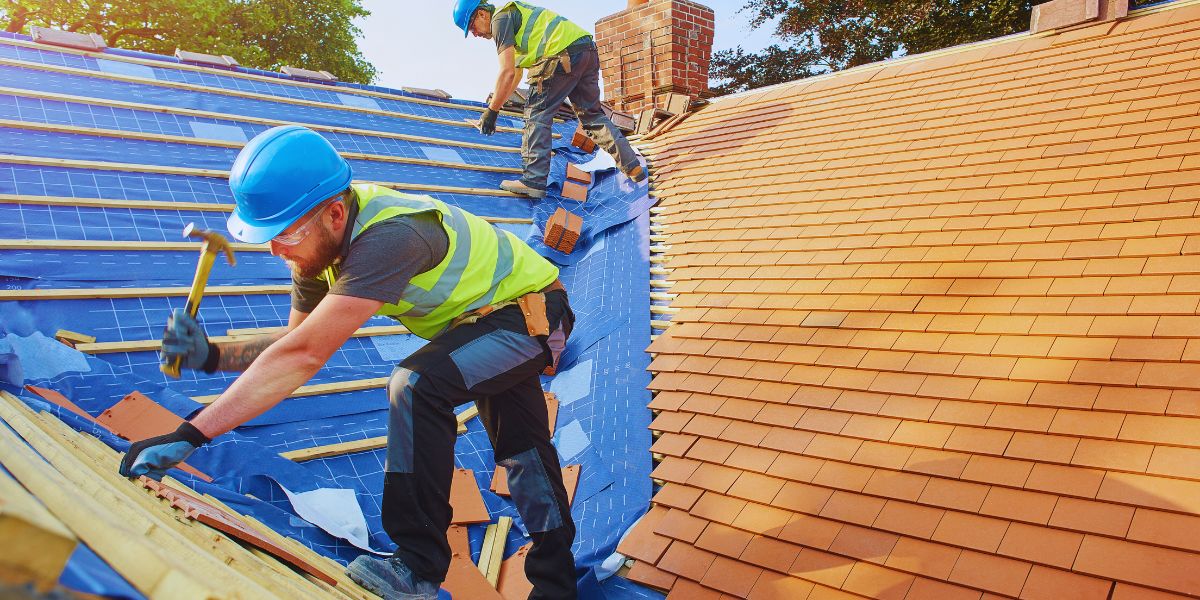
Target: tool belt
<point>533,306</point>
<point>544,69</point>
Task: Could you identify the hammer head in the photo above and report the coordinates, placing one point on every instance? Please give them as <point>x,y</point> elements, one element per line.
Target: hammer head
<point>213,242</point>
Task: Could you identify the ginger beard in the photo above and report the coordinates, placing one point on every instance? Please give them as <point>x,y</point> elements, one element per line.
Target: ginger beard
<point>325,251</point>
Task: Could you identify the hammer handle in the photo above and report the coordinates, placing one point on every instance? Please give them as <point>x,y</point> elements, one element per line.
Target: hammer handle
<point>193,303</point>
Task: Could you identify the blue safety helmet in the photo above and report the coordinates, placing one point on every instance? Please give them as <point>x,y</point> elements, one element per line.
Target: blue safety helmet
<point>463,11</point>
<point>278,177</point>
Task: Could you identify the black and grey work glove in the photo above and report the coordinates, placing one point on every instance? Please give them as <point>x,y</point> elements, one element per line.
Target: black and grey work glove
<point>155,456</point>
<point>185,340</point>
<point>487,122</point>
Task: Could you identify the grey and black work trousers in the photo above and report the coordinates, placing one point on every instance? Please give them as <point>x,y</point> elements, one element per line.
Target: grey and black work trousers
<point>495,363</point>
<point>582,87</point>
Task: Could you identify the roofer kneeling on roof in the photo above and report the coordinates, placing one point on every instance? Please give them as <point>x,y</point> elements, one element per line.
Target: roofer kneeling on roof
<point>562,63</point>
<point>357,251</point>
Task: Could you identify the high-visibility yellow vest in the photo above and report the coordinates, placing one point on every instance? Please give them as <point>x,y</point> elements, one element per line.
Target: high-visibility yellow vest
<point>483,265</point>
<point>542,33</point>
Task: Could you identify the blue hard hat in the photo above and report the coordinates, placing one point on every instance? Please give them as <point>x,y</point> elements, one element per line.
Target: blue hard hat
<point>463,11</point>
<point>278,177</point>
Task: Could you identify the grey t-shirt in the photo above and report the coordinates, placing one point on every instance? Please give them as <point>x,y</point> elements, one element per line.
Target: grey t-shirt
<point>378,264</point>
<point>505,24</point>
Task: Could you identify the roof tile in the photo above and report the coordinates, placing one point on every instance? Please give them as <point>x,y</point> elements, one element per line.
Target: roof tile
<point>674,495</point>
<point>1167,529</point>
<point>893,484</point>
<point>929,588</point>
<point>822,567</point>
<point>852,508</point>
<point>992,573</point>
<point>1019,505</point>
<point>843,476</point>
<point>770,553</point>
<point>647,574</point>
<point>971,531</point>
<point>731,576</point>
<point>958,495</point>
<point>680,525</point>
<point>1140,564</point>
<point>1000,471</point>
<point>1052,584</point>
<point>762,519</point>
<point>686,589</point>
<point>810,531</point>
<point>713,477</point>
<point>1112,455</point>
<point>908,519</point>
<point>1041,545</point>
<point>774,586</point>
<point>674,469</point>
<point>684,560</point>
<point>718,508</point>
<point>1040,447</point>
<point>979,440</point>
<point>710,450</point>
<point>673,444</point>
<point>926,558</point>
<point>642,543</point>
<point>877,454</point>
<point>874,581</point>
<point>863,543</point>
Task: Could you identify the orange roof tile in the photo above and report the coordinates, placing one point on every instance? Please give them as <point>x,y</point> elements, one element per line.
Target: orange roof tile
<point>940,326</point>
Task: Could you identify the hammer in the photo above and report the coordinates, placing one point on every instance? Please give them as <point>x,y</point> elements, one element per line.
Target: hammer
<point>213,244</point>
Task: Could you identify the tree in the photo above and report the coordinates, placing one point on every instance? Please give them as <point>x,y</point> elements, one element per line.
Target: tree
<point>263,34</point>
<point>830,35</point>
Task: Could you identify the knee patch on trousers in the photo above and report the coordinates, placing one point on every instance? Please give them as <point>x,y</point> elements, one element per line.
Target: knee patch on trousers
<point>400,420</point>
<point>531,491</point>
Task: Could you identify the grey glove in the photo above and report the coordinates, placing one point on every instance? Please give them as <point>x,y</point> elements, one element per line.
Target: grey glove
<point>487,122</point>
<point>155,456</point>
<point>184,339</point>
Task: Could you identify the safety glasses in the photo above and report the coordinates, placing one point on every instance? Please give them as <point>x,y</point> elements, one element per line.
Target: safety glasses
<point>301,233</point>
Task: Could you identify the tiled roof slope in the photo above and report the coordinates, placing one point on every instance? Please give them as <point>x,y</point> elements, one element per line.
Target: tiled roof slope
<point>938,328</point>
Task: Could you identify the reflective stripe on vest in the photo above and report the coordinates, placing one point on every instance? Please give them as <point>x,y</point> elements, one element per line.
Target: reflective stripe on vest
<point>542,33</point>
<point>483,265</point>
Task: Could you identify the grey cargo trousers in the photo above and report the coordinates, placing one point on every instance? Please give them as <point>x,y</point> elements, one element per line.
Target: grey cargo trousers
<point>582,87</point>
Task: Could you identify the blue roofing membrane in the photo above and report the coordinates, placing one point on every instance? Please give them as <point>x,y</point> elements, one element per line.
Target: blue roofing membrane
<point>601,385</point>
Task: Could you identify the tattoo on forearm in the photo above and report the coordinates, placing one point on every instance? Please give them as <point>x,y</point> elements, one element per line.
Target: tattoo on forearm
<point>237,356</point>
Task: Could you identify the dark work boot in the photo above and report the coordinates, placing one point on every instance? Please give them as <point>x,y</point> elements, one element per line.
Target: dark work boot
<point>390,578</point>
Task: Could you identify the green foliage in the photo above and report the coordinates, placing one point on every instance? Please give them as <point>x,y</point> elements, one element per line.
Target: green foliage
<point>830,35</point>
<point>264,34</point>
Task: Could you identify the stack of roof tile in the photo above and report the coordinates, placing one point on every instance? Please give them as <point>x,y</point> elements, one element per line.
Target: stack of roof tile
<point>939,328</point>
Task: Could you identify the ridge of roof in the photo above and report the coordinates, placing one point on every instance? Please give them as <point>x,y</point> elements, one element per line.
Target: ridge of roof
<point>912,58</point>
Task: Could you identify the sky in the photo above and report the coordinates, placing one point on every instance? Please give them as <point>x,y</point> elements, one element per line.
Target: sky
<point>414,43</point>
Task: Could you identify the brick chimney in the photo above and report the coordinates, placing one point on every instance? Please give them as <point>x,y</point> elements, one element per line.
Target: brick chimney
<point>1060,14</point>
<point>653,48</point>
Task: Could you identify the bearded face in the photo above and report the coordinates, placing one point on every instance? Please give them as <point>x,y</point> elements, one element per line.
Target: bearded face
<point>324,249</point>
<point>317,246</point>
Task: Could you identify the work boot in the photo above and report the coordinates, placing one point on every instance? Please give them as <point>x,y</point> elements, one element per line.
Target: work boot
<point>390,578</point>
<point>517,187</point>
<point>637,173</point>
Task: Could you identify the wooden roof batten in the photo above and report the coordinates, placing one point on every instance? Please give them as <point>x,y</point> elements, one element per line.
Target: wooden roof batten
<point>855,397</point>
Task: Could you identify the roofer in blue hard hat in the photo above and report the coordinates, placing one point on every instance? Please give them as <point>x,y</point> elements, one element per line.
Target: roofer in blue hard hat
<point>560,63</point>
<point>493,310</point>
